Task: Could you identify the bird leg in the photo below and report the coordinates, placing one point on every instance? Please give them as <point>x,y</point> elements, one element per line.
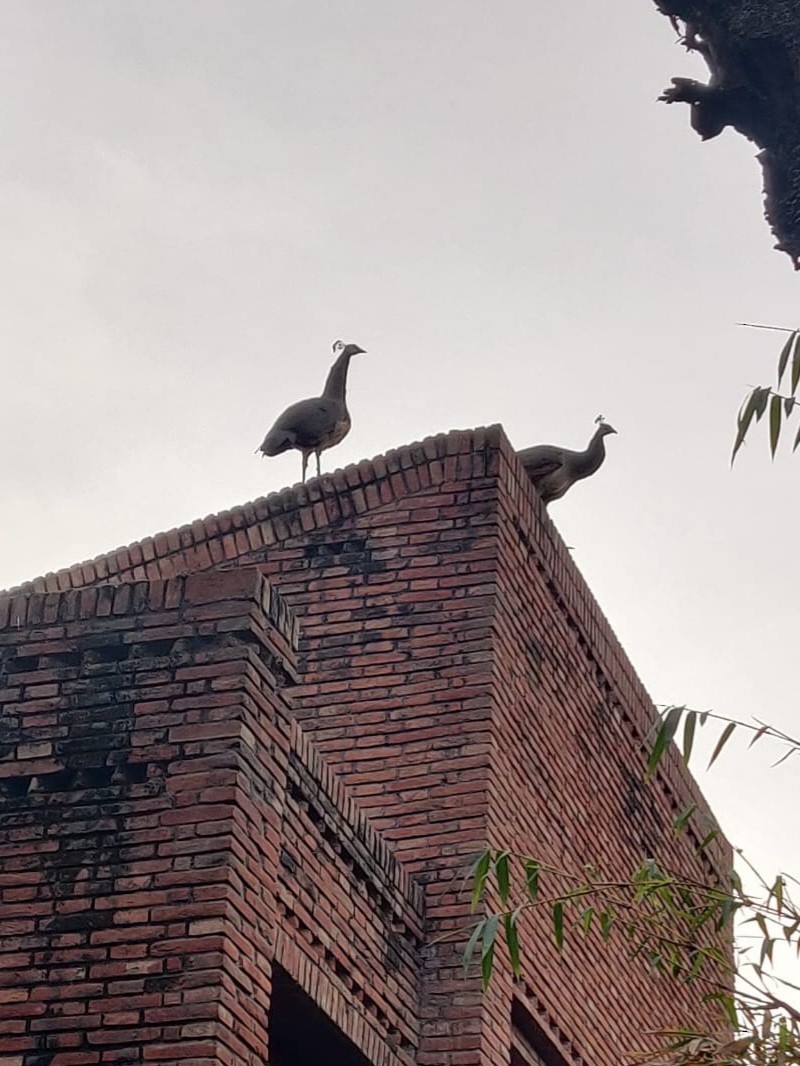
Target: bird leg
<point>319,472</point>
<point>305,464</point>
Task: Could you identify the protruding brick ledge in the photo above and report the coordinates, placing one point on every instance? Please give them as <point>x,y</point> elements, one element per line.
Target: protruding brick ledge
<point>189,592</point>
<point>365,843</point>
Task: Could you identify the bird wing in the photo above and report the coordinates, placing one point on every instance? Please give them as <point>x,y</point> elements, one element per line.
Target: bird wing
<point>302,425</point>
<point>276,441</point>
<point>542,460</point>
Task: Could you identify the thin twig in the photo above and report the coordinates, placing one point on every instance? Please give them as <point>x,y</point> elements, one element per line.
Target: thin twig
<point>777,329</point>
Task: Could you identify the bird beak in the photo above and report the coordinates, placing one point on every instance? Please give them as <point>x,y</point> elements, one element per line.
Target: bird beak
<point>356,350</point>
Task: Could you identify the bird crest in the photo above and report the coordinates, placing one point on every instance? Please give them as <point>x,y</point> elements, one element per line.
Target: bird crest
<point>338,346</point>
<point>599,420</point>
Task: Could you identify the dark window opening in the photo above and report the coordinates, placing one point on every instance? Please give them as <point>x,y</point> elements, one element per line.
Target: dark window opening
<point>530,1045</point>
<point>300,1034</point>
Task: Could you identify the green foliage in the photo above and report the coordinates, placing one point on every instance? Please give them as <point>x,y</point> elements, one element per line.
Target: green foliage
<point>489,865</point>
<point>669,728</point>
<point>781,406</point>
<point>487,950</point>
<point>480,872</point>
<point>679,927</point>
<point>512,940</point>
<point>670,723</point>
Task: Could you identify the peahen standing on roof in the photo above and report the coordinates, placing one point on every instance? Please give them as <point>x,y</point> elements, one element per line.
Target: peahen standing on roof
<point>317,424</point>
<point>555,470</point>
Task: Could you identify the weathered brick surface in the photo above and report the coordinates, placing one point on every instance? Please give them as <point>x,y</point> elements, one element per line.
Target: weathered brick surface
<point>572,729</point>
<point>456,673</point>
<point>166,830</point>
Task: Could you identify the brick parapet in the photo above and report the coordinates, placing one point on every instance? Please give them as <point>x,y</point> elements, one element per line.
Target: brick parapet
<point>223,540</point>
<point>217,540</point>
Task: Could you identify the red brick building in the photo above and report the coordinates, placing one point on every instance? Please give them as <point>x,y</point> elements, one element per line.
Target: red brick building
<point>245,764</point>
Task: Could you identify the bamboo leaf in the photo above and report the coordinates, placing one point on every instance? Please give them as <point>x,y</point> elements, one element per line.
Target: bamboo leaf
<point>784,1039</point>
<point>717,955</point>
<point>503,881</point>
<point>487,963</point>
<point>760,403</point>
<point>723,740</point>
<point>727,909</point>
<point>707,839</point>
<point>472,943</point>
<point>512,940</point>
<point>745,417</point>
<point>688,734</point>
<point>788,405</point>
<point>796,363</point>
<point>796,441</point>
<point>774,423</point>
<point>480,873</point>
<point>776,893</point>
<point>558,924</point>
<point>784,356</point>
<point>682,820</point>
<point>666,732</point>
<point>728,1005</point>
<point>785,756</point>
<point>697,966</point>
<point>487,949</point>
<point>586,920</point>
<point>606,922</point>
<point>766,950</point>
<point>758,735</point>
<point>532,879</point>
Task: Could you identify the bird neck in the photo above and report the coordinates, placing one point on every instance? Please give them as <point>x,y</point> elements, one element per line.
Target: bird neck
<point>336,384</point>
<point>596,452</point>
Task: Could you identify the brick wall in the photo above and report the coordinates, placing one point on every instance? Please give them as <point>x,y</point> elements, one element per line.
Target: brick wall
<point>166,831</point>
<point>457,674</point>
<point>572,731</point>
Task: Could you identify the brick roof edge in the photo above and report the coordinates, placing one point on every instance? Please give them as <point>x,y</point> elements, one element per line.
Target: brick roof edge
<point>317,504</point>
<point>308,505</point>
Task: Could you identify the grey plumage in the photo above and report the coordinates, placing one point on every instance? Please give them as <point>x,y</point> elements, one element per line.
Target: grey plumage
<point>554,470</point>
<point>319,423</point>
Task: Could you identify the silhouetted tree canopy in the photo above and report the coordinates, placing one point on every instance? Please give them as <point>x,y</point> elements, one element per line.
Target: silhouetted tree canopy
<point>752,49</point>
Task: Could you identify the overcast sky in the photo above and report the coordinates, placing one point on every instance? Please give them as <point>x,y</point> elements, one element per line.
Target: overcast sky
<point>198,198</point>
